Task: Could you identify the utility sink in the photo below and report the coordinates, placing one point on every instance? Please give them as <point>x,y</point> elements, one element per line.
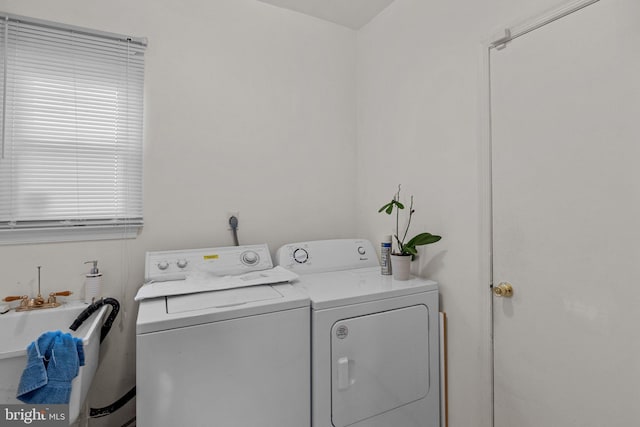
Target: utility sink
<point>19,329</point>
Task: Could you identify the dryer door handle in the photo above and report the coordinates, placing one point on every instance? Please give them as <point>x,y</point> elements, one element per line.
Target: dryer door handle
<point>343,373</point>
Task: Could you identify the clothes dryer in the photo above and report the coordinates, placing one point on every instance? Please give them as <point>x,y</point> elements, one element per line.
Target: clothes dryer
<point>375,340</point>
<point>229,358</point>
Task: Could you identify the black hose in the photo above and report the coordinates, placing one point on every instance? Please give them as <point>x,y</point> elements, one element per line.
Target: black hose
<point>106,327</point>
<point>131,422</point>
<point>87,312</point>
<point>103,412</point>
<point>233,223</point>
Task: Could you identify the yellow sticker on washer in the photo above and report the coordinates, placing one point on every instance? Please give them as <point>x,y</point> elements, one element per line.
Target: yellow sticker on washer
<point>208,257</point>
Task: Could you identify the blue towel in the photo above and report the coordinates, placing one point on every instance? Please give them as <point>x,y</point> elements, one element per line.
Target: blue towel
<point>53,361</point>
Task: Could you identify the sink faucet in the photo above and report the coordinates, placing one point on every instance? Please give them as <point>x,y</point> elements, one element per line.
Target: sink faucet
<point>38,302</point>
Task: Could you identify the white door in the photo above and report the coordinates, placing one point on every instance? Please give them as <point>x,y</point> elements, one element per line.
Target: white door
<point>566,221</point>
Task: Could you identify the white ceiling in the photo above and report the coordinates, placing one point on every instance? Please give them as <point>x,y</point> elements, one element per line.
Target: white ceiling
<point>350,13</point>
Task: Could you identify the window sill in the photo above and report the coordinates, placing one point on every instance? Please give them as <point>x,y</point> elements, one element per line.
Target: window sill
<point>68,234</point>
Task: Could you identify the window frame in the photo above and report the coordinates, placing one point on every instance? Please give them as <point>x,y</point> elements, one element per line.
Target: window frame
<point>78,229</point>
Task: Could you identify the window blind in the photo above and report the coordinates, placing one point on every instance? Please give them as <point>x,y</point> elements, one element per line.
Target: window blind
<point>71,128</point>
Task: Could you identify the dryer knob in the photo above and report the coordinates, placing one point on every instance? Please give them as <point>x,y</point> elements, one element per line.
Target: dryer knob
<point>182,263</point>
<point>361,250</point>
<point>163,265</point>
<point>250,258</point>
<point>300,256</point>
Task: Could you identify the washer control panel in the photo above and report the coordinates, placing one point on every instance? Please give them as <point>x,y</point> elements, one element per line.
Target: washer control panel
<point>231,260</point>
<point>300,255</point>
<point>327,255</point>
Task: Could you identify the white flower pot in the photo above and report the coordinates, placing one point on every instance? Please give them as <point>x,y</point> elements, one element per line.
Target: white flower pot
<point>400,266</point>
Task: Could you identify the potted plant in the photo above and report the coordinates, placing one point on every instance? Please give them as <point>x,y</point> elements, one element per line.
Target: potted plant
<point>406,249</point>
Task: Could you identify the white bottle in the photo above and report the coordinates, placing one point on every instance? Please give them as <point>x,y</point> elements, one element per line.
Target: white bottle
<point>92,283</point>
<point>385,256</point>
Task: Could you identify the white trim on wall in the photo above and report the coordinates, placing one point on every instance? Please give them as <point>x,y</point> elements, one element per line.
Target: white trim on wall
<point>486,225</point>
<point>516,30</point>
<point>499,40</point>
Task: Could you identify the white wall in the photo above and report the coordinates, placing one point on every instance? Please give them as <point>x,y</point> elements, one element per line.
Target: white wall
<point>419,85</point>
<point>253,108</point>
<point>248,108</point>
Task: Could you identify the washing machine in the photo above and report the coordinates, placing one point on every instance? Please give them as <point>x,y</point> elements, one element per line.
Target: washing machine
<point>375,340</point>
<point>227,358</point>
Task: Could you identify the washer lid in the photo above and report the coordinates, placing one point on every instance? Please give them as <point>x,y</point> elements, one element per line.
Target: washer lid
<point>180,311</point>
<point>339,288</point>
<point>221,299</point>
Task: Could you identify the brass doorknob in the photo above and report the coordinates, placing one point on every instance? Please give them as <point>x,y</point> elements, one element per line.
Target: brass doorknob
<point>504,289</point>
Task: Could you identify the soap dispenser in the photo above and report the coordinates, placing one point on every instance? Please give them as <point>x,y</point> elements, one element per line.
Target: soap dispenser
<point>92,283</point>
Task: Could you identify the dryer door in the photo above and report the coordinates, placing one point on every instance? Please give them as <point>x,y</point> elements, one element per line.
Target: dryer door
<point>378,362</point>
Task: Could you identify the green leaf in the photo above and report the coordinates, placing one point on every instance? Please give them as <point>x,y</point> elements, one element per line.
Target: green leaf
<point>398,204</point>
<point>423,239</point>
<point>387,208</point>
<point>410,250</point>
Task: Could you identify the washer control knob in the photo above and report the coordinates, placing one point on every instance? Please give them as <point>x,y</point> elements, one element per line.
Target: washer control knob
<point>300,256</point>
<point>182,263</point>
<point>250,258</point>
<point>361,250</point>
<point>163,265</point>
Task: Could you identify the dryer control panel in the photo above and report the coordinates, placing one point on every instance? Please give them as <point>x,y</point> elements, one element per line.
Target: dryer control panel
<point>175,265</point>
<point>327,255</point>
